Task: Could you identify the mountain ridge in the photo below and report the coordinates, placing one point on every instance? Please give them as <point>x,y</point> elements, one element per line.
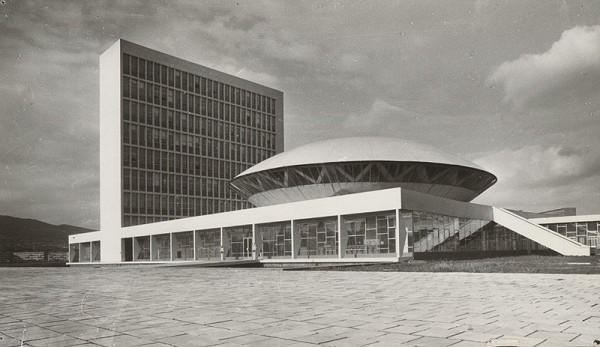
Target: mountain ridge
<point>28,234</point>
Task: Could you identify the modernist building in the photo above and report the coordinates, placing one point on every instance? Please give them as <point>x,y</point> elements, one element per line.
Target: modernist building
<point>174,135</point>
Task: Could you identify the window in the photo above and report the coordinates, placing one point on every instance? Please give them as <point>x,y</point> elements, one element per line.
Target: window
<point>318,237</point>
<point>370,235</point>
<point>183,246</point>
<point>276,240</point>
<point>208,244</point>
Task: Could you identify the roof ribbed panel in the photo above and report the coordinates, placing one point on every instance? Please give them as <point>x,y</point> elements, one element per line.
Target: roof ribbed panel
<point>352,149</point>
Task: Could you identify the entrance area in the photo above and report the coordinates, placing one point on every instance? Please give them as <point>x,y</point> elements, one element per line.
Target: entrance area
<point>127,249</point>
<point>240,242</point>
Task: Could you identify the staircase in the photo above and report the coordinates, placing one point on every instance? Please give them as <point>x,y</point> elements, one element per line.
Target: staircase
<point>539,234</point>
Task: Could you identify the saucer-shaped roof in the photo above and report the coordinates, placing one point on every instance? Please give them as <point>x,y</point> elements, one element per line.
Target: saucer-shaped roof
<point>359,164</point>
<point>356,149</point>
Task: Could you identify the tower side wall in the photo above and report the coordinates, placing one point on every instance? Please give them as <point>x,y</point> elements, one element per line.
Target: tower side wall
<point>110,152</point>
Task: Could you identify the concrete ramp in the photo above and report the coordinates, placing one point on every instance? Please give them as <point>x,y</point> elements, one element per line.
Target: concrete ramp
<point>539,234</point>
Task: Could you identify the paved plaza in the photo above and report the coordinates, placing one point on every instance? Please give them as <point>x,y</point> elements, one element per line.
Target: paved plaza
<point>168,306</point>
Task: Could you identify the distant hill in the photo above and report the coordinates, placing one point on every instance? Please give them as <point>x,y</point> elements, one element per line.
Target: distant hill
<point>18,234</point>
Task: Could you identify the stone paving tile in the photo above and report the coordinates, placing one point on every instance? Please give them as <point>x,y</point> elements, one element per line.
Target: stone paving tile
<point>68,306</point>
<point>245,339</point>
<point>272,342</point>
<point>394,338</point>
<point>153,333</point>
<point>587,339</point>
<point>190,340</point>
<point>6,341</point>
<point>403,329</point>
<point>56,341</point>
<point>216,333</point>
<point>356,334</point>
<point>318,338</point>
<point>427,341</point>
<point>476,344</point>
<point>553,336</point>
<point>240,326</point>
<point>476,337</point>
<point>526,331</point>
<point>121,340</point>
<point>92,333</point>
<point>350,323</point>
<point>377,326</point>
<point>522,341</point>
<point>437,332</point>
<point>348,341</point>
<point>37,334</point>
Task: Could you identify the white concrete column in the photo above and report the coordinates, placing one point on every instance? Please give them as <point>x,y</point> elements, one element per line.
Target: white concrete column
<point>397,231</point>
<point>339,234</point>
<point>194,243</point>
<point>222,246</point>
<point>254,255</point>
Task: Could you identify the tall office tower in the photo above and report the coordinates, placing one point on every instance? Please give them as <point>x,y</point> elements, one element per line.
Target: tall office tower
<point>174,133</point>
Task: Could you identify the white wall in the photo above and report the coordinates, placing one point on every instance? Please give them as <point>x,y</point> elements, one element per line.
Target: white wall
<point>110,153</point>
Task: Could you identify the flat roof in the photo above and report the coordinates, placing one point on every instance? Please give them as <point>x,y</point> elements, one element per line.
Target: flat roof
<point>567,219</point>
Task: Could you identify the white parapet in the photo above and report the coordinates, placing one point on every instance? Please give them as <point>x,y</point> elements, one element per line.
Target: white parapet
<point>539,234</point>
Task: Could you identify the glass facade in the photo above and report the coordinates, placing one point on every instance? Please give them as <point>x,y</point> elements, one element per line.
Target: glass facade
<point>183,246</point>
<point>74,253</point>
<point>208,244</point>
<point>184,137</point>
<point>583,232</point>
<point>141,248</point>
<point>276,239</point>
<point>161,247</point>
<point>370,235</point>
<point>85,252</point>
<point>95,251</point>
<point>440,233</point>
<point>317,237</point>
<point>240,242</point>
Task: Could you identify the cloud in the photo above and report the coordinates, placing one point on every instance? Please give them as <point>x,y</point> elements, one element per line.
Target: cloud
<point>535,165</point>
<point>248,74</point>
<point>381,118</point>
<point>542,178</point>
<point>569,70</point>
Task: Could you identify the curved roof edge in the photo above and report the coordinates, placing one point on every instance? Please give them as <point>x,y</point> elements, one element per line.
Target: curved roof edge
<point>353,149</point>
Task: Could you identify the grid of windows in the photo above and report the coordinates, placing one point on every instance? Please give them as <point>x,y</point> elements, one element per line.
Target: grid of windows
<point>239,242</point>
<point>318,237</point>
<point>84,252</point>
<point>583,232</point>
<point>276,239</point>
<point>371,234</point>
<point>208,244</point>
<point>184,137</point>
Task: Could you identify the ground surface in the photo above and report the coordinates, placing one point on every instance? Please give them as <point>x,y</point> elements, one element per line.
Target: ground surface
<point>519,264</point>
<point>161,306</point>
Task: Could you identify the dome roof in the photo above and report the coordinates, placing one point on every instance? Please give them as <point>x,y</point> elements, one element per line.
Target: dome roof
<point>353,149</point>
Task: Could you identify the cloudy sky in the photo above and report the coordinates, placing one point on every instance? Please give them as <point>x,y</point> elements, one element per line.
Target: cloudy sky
<point>513,86</point>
